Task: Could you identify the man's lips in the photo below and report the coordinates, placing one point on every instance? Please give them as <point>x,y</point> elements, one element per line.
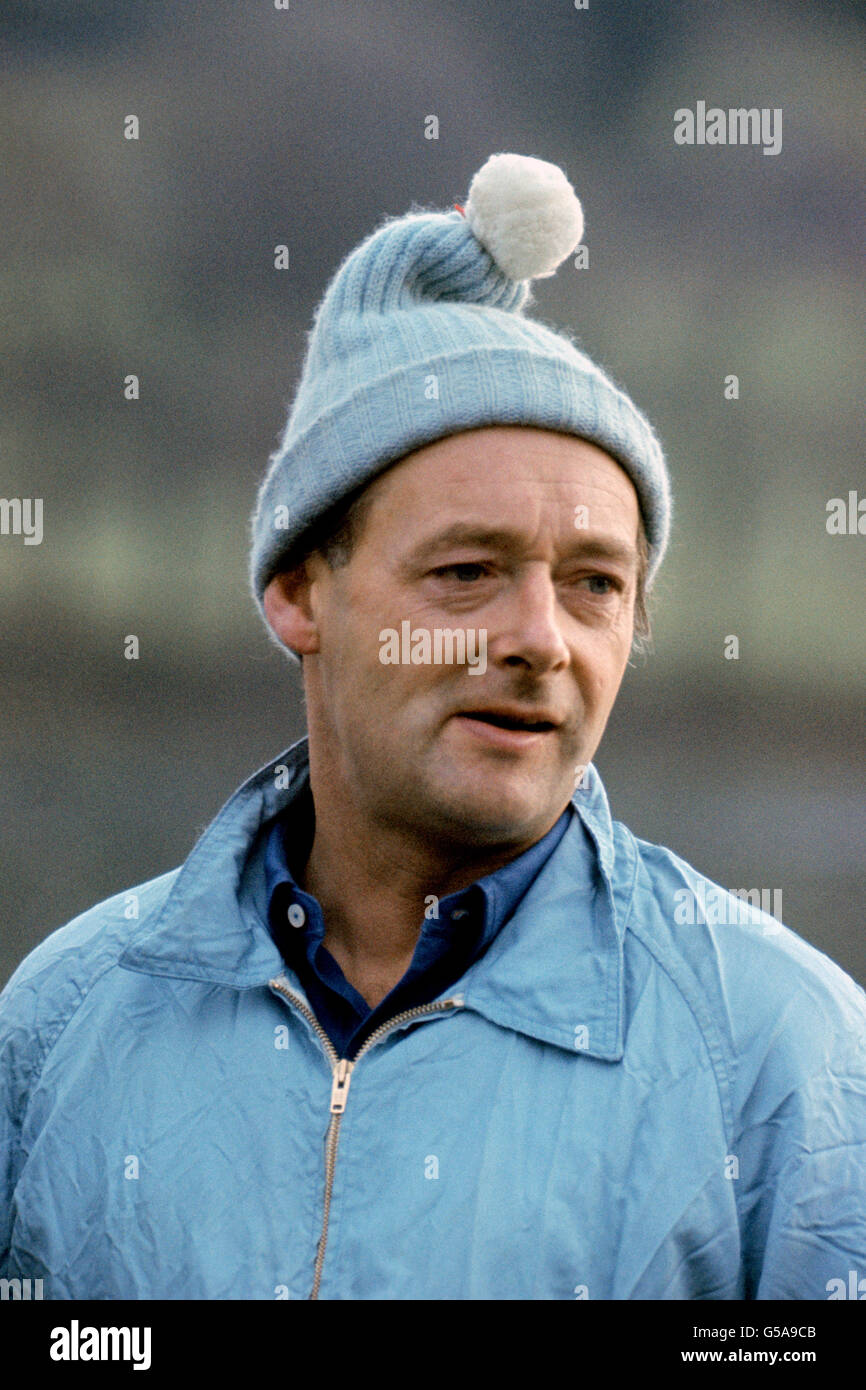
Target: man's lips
<point>507,727</point>
<point>514,717</point>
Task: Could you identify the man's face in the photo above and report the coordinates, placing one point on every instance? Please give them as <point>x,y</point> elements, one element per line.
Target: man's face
<point>526,538</point>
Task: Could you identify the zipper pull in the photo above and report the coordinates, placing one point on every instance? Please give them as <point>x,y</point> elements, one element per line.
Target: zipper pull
<point>340,1087</point>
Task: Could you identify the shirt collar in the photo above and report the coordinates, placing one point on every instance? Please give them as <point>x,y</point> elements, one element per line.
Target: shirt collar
<point>497,893</point>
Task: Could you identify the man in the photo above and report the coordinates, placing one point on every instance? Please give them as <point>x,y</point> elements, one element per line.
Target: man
<point>417,1019</point>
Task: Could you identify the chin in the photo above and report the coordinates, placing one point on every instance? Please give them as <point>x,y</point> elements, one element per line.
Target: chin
<point>484,816</point>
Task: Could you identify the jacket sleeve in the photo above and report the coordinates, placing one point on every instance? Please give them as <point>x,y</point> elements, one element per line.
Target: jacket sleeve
<point>16,1048</point>
<point>35,1006</point>
<point>802,1151</point>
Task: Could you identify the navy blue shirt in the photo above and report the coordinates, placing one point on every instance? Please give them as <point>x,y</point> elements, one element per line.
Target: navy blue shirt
<point>466,924</point>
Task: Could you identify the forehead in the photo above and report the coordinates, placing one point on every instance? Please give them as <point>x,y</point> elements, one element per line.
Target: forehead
<point>512,476</point>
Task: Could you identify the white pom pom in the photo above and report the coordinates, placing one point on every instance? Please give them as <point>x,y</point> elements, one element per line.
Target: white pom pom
<point>526,213</point>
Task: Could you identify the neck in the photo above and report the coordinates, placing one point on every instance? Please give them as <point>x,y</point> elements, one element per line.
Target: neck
<point>375,881</point>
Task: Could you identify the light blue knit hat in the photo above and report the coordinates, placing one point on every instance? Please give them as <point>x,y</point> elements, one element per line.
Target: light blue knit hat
<point>421,334</point>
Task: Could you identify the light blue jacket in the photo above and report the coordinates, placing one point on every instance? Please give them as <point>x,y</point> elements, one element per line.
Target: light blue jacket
<point>612,1103</point>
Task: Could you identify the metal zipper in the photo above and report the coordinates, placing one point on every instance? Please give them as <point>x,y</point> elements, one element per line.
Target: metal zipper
<point>341,1072</point>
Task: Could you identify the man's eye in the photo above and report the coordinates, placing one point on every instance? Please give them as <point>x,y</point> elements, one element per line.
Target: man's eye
<point>459,571</point>
<point>603,579</point>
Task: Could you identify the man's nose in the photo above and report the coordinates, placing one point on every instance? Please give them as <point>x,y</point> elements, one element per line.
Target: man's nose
<point>527,625</point>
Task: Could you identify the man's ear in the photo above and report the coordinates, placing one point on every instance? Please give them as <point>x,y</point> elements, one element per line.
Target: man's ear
<point>288,609</point>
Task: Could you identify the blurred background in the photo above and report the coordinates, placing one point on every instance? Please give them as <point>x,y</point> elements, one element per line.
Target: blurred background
<point>305,126</point>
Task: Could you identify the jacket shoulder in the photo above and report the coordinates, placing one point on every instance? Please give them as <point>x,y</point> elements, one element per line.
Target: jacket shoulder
<point>766,988</point>
<point>51,982</point>
<point>786,1030</point>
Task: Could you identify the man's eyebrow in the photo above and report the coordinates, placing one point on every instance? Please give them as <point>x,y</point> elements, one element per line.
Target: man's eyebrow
<point>465,533</point>
<point>502,538</point>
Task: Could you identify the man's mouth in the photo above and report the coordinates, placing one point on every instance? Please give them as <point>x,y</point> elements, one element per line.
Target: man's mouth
<point>510,721</point>
<point>508,730</point>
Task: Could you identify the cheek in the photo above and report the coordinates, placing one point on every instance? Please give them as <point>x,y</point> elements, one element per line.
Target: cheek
<point>374,646</point>
<point>373,689</point>
<point>352,683</point>
<point>349,627</point>
<point>601,671</point>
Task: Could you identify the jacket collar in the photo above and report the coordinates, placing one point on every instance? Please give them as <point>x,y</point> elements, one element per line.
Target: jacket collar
<point>554,973</point>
